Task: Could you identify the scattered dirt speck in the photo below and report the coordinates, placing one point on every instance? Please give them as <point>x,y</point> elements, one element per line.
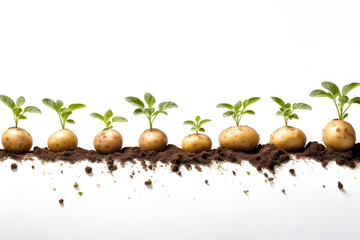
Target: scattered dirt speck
<point>14,166</point>
<point>340,185</point>
<point>88,170</point>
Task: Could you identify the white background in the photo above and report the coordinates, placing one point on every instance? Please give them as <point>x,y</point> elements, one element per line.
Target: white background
<point>197,54</point>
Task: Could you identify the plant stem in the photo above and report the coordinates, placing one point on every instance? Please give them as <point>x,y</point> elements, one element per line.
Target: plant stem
<point>337,109</point>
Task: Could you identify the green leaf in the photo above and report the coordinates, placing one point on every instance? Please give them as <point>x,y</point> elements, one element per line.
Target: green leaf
<point>70,121</point>
<point>288,105</point>
<point>280,113</point>
<point>249,112</point>
<point>250,101</point>
<point>278,101</point>
<point>7,101</point>
<point>204,121</point>
<point>50,103</point>
<point>22,117</point>
<point>192,123</point>
<point>16,111</point>
<point>347,88</point>
<point>228,114</point>
<point>167,105</point>
<point>138,111</point>
<point>76,106</point>
<point>149,99</point>
<point>345,116</point>
<point>343,100</point>
<point>111,127</point>
<point>293,116</point>
<point>108,123</point>
<point>334,90</point>
<point>302,106</point>
<point>119,119</point>
<point>58,105</point>
<point>135,101</point>
<point>108,115</point>
<point>97,116</point>
<point>158,112</point>
<point>355,100</point>
<point>193,129</point>
<point>197,118</point>
<point>20,101</point>
<point>237,106</point>
<point>225,105</point>
<point>32,109</point>
<point>320,93</point>
<point>65,115</point>
<point>201,130</point>
<point>152,110</point>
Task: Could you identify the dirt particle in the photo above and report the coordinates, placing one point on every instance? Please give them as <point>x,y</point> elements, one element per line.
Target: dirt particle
<point>179,173</point>
<point>266,175</point>
<point>234,173</point>
<point>88,170</point>
<point>33,167</point>
<point>206,181</point>
<point>61,201</point>
<point>148,182</point>
<point>292,172</point>
<point>340,185</point>
<point>14,166</point>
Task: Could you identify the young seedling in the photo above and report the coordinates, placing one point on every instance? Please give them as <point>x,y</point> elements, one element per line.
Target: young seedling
<point>290,139</point>
<point>338,134</point>
<point>63,139</point>
<point>152,139</point>
<point>16,139</point>
<point>196,143</point>
<point>108,140</point>
<point>241,138</point>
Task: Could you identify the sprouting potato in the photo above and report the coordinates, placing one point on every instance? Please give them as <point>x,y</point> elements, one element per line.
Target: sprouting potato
<point>290,139</point>
<point>16,139</point>
<point>108,140</point>
<point>338,134</point>
<point>239,138</point>
<point>196,143</point>
<point>152,139</point>
<point>63,139</point>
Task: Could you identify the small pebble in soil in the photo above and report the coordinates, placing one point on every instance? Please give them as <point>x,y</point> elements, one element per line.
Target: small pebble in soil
<point>14,166</point>
<point>33,167</point>
<point>148,182</point>
<point>88,170</point>
<point>179,173</point>
<point>234,173</point>
<point>61,201</point>
<point>266,175</point>
<point>340,185</point>
<point>206,182</point>
<point>283,191</point>
<point>292,172</point>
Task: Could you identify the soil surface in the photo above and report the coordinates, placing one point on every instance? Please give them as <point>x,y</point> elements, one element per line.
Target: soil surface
<point>263,157</point>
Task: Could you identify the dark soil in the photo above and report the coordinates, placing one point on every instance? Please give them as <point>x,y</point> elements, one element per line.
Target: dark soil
<point>88,170</point>
<point>292,172</point>
<point>61,201</point>
<point>14,166</point>
<point>340,185</point>
<point>263,157</point>
<point>148,183</point>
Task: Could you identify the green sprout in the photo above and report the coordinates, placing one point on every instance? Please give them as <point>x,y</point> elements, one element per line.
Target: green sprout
<point>340,99</point>
<point>63,112</point>
<point>15,108</point>
<point>286,109</point>
<point>239,109</point>
<point>221,167</point>
<point>106,118</point>
<point>248,173</point>
<point>246,192</point>
<point>197,124</point>
<point>80,193</point>
<point>150,112</point>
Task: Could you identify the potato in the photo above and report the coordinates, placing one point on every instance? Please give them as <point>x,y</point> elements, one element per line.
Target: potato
<point>153,140</point>
<point>196,143</point>
<point>62,140</point>
<point>16,140</point>
<point>290,139</point>
<point>241,138</point>
<point>108,141</point>
<point>339,135</point>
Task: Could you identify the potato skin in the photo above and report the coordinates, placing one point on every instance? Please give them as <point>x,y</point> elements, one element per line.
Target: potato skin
<point>108,141</point>
<point>291,139</point>
<point>196,143</point>
<point>239,138</point>
<point>339,135</point>
<point>153,140</point>
<point>62,140</point>
<point>16,140</point>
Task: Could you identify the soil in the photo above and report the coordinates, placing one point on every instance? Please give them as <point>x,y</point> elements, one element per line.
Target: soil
<point>265,156</point>
<point>292,172</point>
<point>206,181</point>
<point>61,201</point>
<point>148,183</point>
<point>14,166</point>
<point>340,185</point>
<point>88,170</point>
